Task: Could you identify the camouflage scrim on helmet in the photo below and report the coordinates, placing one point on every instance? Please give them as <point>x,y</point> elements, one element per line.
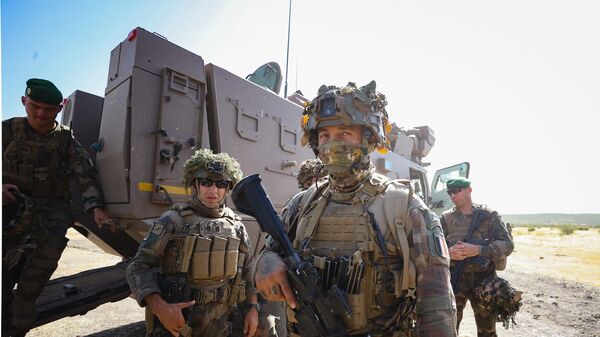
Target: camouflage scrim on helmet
<point>495,295</point>
<point>347,106</point>
<point>310,169</point>
<point>206,164</point>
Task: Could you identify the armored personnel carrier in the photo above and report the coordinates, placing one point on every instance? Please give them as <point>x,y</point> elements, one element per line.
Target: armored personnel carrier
<point>162,102</point>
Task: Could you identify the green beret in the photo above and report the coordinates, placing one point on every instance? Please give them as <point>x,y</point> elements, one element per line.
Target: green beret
<point>43,91</point>
<point>458,182</point>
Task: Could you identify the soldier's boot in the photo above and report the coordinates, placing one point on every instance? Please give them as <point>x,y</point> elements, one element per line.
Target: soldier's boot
<point>38,270</point>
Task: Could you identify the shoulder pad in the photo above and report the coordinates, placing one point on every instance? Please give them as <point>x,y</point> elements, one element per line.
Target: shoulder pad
<point>378,179</point>
<point>229,213</point>
<point>484,208</point>
<point>309,194</point>
<point>449,211</point>
<point>64,128</point>
<point>183,208</point>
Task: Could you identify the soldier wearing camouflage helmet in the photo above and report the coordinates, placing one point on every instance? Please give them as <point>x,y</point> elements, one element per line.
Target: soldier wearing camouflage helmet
<point>39,158</point>
<point>483,254</point>
<point>192,268</point>
<point>310,171</point>
<point>390,247</point>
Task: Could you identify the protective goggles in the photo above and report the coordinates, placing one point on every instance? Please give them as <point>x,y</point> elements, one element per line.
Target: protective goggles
<point>206,182</point>
<point>454,190</point>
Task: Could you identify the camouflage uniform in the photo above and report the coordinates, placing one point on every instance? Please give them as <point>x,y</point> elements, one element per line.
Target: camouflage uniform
<point>387,237</point>
<point>496,241</point>
<point>41,166</point>
<point>193,252</point>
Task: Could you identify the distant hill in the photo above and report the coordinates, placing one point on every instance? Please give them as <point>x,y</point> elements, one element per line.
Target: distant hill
<point>552,219</point>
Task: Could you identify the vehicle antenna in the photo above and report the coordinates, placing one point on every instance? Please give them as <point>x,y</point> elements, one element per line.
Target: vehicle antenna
<point>287,53</point>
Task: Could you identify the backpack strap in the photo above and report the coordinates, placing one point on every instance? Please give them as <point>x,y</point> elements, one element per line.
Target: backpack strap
<point>396,211</point>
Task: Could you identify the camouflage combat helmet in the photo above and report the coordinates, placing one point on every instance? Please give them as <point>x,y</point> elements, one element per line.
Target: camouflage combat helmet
<point>310,169</point>
<point>206,164</point>
<point>495,295</point>
<point>347,106</point>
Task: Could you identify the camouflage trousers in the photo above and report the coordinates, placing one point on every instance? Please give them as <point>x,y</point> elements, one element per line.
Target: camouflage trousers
<point>485,320</point>
<point>31,269</point>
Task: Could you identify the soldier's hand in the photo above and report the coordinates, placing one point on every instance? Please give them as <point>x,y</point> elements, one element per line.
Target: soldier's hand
<point>7,196</point>
<point>102,218</point>
<point>470,250</point>
<point>271,279</point>
<point>457,252</point>
<point>169,314</point>
<point>251,322</point>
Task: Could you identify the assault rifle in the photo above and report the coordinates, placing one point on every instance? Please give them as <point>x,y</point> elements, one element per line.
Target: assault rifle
<point>457,272</point>
<point>319,311</point>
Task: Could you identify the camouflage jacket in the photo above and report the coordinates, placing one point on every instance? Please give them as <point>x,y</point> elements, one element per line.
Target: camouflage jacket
<point>185,219</point>
<point>435,306</point>
<point>41,165</point>
<point>492,234</point>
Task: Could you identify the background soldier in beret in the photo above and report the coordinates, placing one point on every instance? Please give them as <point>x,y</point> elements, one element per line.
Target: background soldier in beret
<point>193,268</point>
<point>39,158</point>
<point>486,252</point>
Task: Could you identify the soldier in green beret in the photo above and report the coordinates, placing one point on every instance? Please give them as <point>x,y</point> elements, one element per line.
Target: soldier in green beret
<point>192,270</point>
<point>39,158</point>
<point>483,254</point>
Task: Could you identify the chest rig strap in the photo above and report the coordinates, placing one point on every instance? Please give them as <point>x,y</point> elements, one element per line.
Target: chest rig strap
<point>303,239</point>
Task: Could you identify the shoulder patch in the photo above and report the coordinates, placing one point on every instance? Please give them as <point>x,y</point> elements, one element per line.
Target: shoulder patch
<point>435,235</point>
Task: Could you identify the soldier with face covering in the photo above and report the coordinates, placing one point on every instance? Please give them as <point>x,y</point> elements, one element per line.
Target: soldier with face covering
<point>368,235</point>
<point>193,267</point>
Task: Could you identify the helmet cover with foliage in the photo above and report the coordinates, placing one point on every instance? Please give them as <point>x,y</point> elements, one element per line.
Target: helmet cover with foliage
<point>348,105</point>
<point>206,164</point>
<point>496,296</point>
<point>310,169</point>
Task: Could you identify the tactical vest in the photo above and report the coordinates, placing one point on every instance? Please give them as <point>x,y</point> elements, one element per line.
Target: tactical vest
<point>344,240</point>
<point>207,252</point>
<point>458,230</point>
<point>39,168</point>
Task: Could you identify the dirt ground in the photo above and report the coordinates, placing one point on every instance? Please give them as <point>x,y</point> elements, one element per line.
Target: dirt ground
<point>560,277</point>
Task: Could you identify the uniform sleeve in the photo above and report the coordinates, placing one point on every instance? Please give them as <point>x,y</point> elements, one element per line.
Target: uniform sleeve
<point>436,308</point>
<point>6,133</point>
<point>444,225</point>
<point>501,244</point>
<point>86,176</point>
<point>143,270</point>
<point>248,271</point>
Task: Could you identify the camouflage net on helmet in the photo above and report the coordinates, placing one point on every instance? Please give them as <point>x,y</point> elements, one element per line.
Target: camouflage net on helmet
<point>495,295</point>
<point>310,169</point>
<point>204,160</point>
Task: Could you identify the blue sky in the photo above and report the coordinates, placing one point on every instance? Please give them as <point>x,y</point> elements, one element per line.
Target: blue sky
<point>510,86</point>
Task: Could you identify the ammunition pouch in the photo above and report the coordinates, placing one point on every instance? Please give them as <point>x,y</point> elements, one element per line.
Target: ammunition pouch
<point>201,258</point>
